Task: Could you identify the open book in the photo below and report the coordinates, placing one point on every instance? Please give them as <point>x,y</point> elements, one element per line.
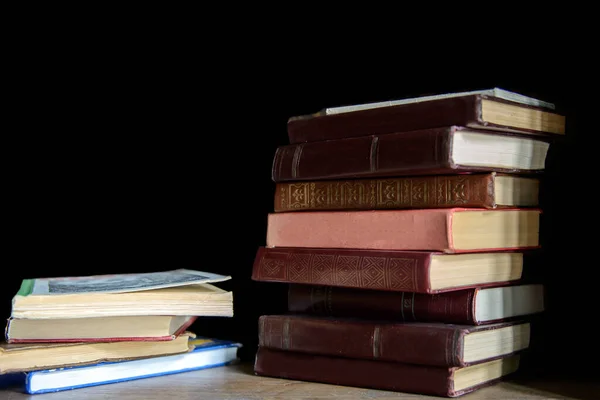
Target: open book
<point>179,292</point>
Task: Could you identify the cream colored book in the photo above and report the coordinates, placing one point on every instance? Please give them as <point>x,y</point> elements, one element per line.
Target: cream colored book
<point>31,357</point>
<point>177,293</point>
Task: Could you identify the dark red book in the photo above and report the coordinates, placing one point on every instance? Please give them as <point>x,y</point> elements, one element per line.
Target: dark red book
<point>382,375</point>
<point>436,151</point>
<point>390,270</point>
<point>463,307</point>
<point>422,343</point>
<point>475,111</point>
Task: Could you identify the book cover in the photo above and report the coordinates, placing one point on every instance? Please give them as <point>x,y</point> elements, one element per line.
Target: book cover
<point>387,270</point>
<point>434,344</point>
<point>449,230</point>
<point>476,306</point>
<point>475,111</point>
<point>444,150</point>
<point>478,190</point>
<point>207,353</point>
<point>382,375</point>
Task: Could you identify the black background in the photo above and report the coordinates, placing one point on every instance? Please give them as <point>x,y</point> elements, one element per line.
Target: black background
<point>132,159</point>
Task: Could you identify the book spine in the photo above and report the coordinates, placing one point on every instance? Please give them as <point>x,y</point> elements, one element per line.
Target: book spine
<point>465,190</point>
<point>408,343</point>
<point>366,269</point>
<point>383,120</point>
<point>401,230</point>
<point>456,307</point>
<point>398,154</point>
<point>381,375</point>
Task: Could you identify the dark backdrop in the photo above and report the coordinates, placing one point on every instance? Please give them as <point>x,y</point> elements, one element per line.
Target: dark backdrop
<point>139,163</point>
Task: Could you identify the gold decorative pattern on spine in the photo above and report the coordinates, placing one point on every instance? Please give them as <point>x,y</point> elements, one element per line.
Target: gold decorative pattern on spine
<point>383,193</point>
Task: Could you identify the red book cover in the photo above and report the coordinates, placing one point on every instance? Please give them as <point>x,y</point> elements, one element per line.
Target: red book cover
<point>382,375</point>
<point>440,151</point>
<point>389,270</point>
<point>449,230</point>
<point>476,111</point>
<point>459,307</point>
<point>434,344</point>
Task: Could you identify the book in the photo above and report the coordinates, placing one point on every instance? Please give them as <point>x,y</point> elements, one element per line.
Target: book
<point>179,293</point>
<point>207,353</point>
<point>382,375</point>
<point>493,92</point>
<point>434,344</point>
<point>476,111</point>
<point>30,357</point>
<point>390,270</point>
<point>440,151</point>
<point>476,306</point>
<point>97,329</point>
<point>475,190</point>
<point>449,230</point>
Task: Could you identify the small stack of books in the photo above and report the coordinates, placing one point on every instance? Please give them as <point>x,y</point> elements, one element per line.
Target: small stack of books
<point>72,332</point>
<point>403,230</point>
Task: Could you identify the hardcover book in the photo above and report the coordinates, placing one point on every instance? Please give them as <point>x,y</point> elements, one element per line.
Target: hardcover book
<point>478,190</point>
<point>441,151</point>
<point>206,353</point>
<point>433,344</point>
<point>390,270</point>
<point>382,375</point>
<point>478,111</point>
<point>477,306</point>
<point>449,230</point>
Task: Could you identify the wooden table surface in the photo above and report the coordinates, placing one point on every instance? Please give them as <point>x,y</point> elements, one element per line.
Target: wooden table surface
<point>239,382</point>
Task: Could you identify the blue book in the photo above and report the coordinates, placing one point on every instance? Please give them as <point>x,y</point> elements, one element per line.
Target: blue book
<point>208,353</point>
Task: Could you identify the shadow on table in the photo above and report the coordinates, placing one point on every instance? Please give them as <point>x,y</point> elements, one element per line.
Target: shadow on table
<point>567,389</point>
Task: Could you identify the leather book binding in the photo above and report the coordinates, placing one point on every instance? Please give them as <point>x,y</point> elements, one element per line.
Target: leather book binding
<point>438,191</point>
<point>423,152</point>
<point>475,111</point>
<point>388,270</point>
<point>455,307</point>
<point>433,344</point>
<point>382,375</point>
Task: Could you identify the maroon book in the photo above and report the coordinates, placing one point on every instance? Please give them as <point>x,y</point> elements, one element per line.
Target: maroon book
<point>476,111</point>
<point>475,306</point>
<point>389,270</point>
<point>382,375</point>
<point>422,343</point>
<point>438,151</point>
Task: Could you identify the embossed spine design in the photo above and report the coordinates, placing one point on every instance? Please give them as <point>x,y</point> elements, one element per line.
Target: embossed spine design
<point>469,190</point>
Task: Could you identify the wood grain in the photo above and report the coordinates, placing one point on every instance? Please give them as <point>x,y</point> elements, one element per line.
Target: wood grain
<point>239,382</point>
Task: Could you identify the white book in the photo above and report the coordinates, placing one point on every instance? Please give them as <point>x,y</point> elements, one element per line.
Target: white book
<point>495,92</point>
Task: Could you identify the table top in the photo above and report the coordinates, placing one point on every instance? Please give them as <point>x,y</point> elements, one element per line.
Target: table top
<point>239,382</point>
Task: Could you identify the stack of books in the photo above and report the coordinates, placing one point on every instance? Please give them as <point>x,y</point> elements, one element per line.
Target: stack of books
<point>403,230</point>
<point>73,332</point>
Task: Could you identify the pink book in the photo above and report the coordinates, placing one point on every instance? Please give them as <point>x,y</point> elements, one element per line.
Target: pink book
<point>453,230</point>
